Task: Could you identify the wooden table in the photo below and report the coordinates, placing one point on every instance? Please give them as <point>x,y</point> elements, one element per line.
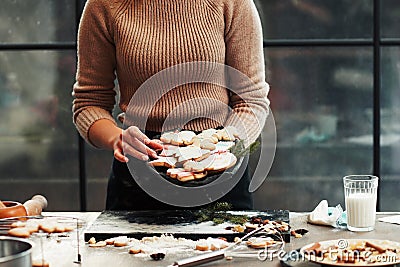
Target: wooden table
<point>63,252</point>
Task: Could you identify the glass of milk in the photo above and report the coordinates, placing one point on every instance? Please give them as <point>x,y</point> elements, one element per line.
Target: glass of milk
<point>360,196</point>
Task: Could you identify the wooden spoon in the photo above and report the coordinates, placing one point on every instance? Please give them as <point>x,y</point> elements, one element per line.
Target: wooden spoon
<point>2,205</point>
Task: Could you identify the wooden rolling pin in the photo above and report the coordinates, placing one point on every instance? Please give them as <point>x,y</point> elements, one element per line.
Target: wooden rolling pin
<point>35,205</point>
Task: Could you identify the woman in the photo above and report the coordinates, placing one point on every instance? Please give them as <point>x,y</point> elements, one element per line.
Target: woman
<point>136,39</point>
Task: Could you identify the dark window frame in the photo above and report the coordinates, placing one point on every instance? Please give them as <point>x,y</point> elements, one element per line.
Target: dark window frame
<point>58,46</point>
<point>377,43</point>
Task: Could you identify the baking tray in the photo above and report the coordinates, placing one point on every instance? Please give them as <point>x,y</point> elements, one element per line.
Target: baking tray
<point>179,223</point>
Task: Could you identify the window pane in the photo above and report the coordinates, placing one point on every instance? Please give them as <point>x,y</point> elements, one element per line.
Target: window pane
<point>98,167</point>
<point>321,99</point>
<point>390,18</point>
<point>37,138</point>
<point>390,129</point>
<point>37,21</point>
<point>316,19</point>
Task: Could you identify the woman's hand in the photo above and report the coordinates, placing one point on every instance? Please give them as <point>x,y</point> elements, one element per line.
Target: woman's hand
<point>136,144</point>
<point>105,134</point>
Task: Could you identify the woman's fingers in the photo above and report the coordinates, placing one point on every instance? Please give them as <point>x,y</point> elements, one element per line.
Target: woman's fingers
<point>121,149</point>
<point>118,155</point>
<point>132,151</point>
<point>137,144</point>
<point>154,145</point>
<point>118,152</point>
<point>135,147</point>
<point>135,132</point>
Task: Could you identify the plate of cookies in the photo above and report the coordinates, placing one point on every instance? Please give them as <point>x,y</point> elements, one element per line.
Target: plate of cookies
<point>353,252</point>
<point>193,159</point>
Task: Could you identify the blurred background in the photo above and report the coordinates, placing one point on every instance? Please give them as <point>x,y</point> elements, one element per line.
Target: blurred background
<point>333,67</point>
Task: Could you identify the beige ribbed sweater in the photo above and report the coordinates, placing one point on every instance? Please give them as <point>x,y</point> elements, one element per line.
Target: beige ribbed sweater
<point>135,39</point>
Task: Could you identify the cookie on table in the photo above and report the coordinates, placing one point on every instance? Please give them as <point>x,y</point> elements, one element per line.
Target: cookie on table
<point>21,232</point>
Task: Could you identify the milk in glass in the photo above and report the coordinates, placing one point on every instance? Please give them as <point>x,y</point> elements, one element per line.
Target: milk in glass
<point>360,197</point>
<point>361,209</point>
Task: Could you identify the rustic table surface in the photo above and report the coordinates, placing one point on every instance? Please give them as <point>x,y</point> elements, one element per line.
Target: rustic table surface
<point>64,251</point>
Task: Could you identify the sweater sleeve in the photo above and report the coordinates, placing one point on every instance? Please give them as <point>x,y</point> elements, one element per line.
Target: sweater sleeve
<point>244,54</point>
<point>93,91</point>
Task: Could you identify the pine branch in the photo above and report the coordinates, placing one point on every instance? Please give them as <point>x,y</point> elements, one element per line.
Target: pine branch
<point>239,149</point>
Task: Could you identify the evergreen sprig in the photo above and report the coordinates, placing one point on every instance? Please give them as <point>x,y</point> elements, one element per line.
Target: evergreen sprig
<point>218,213</point>
<point>239,150</point>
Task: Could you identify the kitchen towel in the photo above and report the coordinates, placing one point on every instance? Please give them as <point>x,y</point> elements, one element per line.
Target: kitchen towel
<point>325,215</point>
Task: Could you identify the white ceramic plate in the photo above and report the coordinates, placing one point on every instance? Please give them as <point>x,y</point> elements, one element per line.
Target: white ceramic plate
<point>334,249</point>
